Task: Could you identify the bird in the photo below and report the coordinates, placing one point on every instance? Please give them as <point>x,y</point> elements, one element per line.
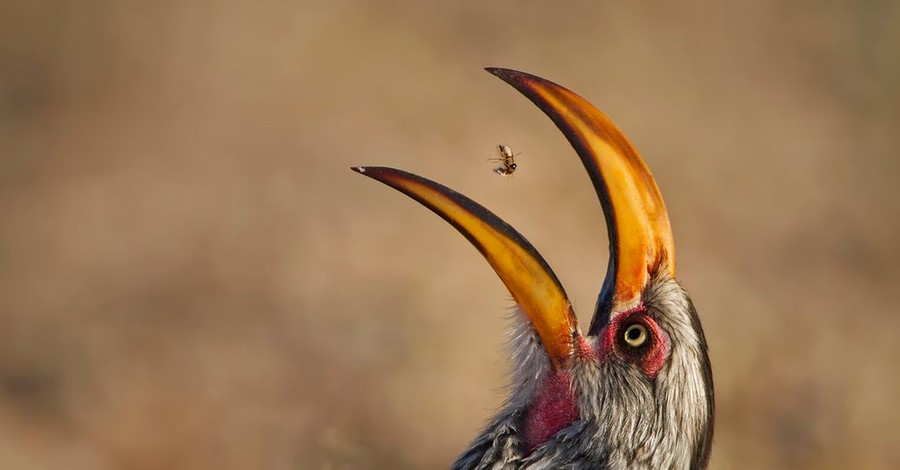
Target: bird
<point>635,391</point>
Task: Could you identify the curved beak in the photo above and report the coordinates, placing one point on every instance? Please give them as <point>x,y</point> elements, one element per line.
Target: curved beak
<point>527,276</point>
<point>640,238</point>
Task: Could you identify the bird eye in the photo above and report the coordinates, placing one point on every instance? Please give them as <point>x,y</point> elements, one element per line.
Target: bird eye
<point>635,335</point>
<point>513,166</point>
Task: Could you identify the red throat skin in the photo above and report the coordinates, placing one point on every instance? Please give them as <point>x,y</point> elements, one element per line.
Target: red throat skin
<point>553,409</point>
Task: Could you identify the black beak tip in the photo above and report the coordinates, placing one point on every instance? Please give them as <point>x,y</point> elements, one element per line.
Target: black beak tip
<point>518,80</point>
<point>504,74</point>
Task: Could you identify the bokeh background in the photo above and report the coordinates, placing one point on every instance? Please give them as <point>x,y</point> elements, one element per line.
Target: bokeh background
<point>191,277</point>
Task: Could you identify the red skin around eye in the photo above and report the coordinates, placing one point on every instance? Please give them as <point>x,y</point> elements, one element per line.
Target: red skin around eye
<point>650,361</point>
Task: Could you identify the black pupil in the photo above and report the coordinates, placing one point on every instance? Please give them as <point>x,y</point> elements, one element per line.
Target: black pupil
<point>633,333</point>
<point>513,166</point>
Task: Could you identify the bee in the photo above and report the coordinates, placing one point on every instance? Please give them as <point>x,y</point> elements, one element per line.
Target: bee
<point>507,161</point>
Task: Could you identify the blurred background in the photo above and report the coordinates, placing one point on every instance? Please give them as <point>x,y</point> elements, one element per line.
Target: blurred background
<point>191,277</point>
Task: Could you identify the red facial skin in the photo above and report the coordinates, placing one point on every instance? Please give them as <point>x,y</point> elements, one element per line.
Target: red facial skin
<point>651,357</point>
<point>554,406</point>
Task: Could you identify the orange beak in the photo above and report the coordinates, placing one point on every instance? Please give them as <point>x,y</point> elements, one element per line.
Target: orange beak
<point>641,244</point>
<point>640,238</point>
<point>526,275</point>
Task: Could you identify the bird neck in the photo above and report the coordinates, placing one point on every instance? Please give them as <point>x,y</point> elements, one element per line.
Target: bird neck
<point>554,408</point>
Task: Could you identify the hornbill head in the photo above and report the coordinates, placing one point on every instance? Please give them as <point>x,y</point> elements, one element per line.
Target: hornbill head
<point>636,391</point>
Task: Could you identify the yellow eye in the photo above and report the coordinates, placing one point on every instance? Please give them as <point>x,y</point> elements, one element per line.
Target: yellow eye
<point>635,335</point>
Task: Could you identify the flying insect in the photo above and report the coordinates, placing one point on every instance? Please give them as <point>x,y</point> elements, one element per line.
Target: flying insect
<point>506,161</point>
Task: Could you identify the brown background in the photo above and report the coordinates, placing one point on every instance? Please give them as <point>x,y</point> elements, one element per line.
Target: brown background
<point>191,277</point>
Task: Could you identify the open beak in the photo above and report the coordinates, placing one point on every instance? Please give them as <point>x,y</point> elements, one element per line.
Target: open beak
<point>526,275</point>
<point>640,238</point>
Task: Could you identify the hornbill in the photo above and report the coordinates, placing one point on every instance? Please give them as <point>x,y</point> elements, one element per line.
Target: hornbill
<point>636,391</point>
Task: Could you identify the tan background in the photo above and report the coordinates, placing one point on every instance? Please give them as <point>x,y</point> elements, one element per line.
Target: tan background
<point>191,277</point>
